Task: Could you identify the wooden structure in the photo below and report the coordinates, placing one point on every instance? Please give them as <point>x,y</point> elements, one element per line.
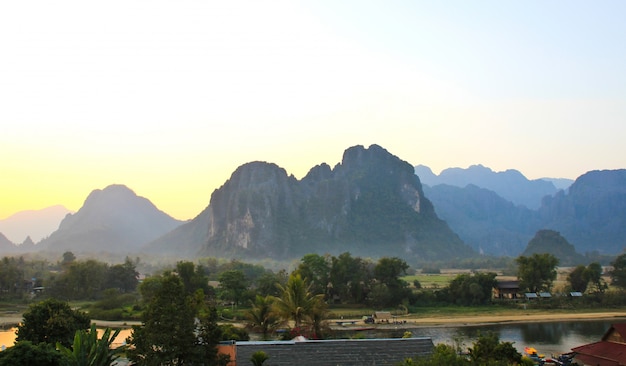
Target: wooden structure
<point>382,316</point>
<point>506,290</point>
<point>609,351</point>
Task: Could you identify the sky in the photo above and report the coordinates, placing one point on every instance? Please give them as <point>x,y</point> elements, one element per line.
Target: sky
<point>170,97</point>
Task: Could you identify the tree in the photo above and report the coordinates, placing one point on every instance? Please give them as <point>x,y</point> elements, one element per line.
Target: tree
<point>11,277</point>
<point>577,279</point>
<point>51,321</point>
<point>68,257</point>
<point>618,274</point>
<point>166,335</point>
<point>474,289</point>
<point>261,317</point>
<point>488,350</point>
<point>81,280</point>
<point>177,328</point>
<point>443,355</point>
<point>123,277</point>
<point>27,353</point>
<point>350,278</point>
<point>316,270</point>
<point>89,350</point>
<point>593,273</point>
<point>296,301</point>
<point>258,358</point>
<point>267,283</point>
<point>193,277</point>
<point>537,272</point>
<point>233,285</point>
<point>387,273</point>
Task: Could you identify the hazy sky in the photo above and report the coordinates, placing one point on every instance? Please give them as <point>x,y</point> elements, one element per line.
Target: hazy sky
<point>170,97</point>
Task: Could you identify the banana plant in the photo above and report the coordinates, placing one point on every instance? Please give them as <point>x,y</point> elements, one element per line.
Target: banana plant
<point>88,350</point>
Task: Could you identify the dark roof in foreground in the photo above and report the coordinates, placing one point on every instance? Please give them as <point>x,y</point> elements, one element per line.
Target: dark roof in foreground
<point>337,352</point>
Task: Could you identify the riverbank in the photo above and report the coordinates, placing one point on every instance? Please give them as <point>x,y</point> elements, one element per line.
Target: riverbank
<point>473,320</point>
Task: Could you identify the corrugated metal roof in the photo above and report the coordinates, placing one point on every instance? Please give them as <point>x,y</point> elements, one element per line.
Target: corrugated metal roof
<point>602,353</point>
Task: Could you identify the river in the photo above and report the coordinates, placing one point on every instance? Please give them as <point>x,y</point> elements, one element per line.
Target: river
<point>547,337</point>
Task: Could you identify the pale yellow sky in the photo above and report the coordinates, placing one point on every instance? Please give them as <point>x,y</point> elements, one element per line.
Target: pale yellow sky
<point>169,98</point>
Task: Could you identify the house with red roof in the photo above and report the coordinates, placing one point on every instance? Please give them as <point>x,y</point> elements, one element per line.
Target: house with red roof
<point>610,351</point>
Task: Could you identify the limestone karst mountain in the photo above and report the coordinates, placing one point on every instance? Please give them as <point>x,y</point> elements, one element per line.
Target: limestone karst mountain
<point>591,214</point>
<point>113,220</point>
<point>370,204</point>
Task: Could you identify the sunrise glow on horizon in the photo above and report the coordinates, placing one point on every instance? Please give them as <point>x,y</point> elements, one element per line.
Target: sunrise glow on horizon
<point>169,98</point>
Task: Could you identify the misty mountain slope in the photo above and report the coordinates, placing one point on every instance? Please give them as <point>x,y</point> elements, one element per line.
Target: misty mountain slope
<point>511,184</point>
<point>6,246</point>
<point>113,220</point>
<point>185,241</point>
<point>552,242</point>
<point>592,214</point>
<point>37,224</point>
<point>370,204</point>
<point>484,220</point>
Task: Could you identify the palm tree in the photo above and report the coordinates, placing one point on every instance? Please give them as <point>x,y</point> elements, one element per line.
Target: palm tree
<point>317,316</point>
<point>296,302</point>
<point>261,317</point>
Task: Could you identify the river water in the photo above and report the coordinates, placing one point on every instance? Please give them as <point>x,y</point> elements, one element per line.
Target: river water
<point>547,337</point>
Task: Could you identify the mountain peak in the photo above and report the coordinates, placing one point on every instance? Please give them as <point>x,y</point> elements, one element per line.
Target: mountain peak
<point>112,219</point>
<point>370,204</point>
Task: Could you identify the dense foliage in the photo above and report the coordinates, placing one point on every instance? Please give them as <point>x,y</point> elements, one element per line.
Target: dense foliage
<point>51,321</point>
<point>487,350</point>
<point>472,289</point>
<point>537,272</point>
<point>89,350</point>
<point>169,333</point>
<point>618,274</point>
<point>28,353</point>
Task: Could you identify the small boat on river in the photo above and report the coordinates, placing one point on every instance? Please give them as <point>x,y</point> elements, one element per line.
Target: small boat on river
<point>564,359</point>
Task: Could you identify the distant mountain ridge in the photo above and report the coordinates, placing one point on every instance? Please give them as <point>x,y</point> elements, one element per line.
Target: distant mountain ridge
<point>36,224</point>
<point>113,220</point>
<point>510,184</point>
<point>591,215</point>
<point>370,204</point>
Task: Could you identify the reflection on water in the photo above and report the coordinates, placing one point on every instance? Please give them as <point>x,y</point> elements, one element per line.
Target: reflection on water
<point>7,337</point>
<point>547,337</point>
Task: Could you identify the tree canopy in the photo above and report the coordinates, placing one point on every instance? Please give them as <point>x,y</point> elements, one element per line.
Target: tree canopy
<point>537,272</point>
<point>51,321</point>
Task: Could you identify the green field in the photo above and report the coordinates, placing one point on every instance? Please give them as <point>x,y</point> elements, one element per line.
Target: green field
<point>431,281</point>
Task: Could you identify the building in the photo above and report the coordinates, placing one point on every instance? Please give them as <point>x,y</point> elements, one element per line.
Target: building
<point>336,352</point>
<point>506,290</point>
<point>609,351</point>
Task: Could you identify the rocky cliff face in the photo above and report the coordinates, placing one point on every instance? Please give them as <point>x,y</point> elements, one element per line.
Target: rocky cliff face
<point>592,215</point>
<point>370,204</point>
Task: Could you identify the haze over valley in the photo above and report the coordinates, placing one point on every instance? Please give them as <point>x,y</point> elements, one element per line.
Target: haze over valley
<point>373,204</point>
